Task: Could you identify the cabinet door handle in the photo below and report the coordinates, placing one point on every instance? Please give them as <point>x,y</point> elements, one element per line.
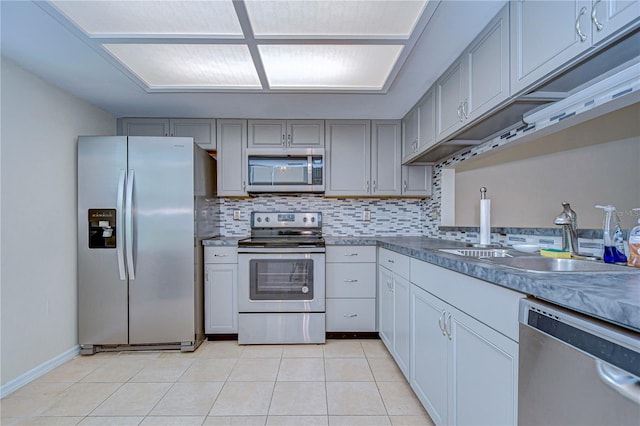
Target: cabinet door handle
<point>441,322</point>
<point>594,16</point>
<point>583,37</point>
<point>288,140</point>
<point>206,275</point>
<point>465,109</point>
<point>367,186</point>
<point>244,185</point>
<point>350,281</point>
<point>350,315</point>
<point>404,186</point>
<point>283,140</point>
<point>445,325</point>
<point>374,186</point>
<point>460,112</point>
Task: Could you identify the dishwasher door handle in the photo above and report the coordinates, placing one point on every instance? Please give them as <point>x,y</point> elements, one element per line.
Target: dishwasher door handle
<point>622,382</point>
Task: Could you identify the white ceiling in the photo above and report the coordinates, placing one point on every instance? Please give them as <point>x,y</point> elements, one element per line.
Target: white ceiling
<point>38,38</point>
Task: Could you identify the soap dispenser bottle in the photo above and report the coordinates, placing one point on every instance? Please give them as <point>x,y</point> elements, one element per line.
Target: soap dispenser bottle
<point>612,236</point>
<point>634,245</point>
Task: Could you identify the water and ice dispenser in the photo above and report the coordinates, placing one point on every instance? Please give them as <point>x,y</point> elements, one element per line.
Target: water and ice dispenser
<point>102,228</point>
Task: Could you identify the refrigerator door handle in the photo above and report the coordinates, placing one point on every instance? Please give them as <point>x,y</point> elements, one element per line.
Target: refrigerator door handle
<point>120,228</point>
<point>129,226</point>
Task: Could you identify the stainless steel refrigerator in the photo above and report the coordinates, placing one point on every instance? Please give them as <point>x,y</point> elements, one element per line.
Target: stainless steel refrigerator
<point>141,203</point>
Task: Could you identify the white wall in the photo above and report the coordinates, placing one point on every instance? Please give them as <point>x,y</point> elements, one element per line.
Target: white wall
<point>40,124</point>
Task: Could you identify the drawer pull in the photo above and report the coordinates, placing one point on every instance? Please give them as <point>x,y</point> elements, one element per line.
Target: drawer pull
<point>220,255</point>
<point>350,281</point>
<point>350,315</point>
<point>391,261</point>
<point>351,254</point>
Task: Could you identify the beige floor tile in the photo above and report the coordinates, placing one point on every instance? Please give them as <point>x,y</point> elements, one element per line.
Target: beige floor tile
<point>42,421</point>
<point>111,421</point>
<point>255,370</point>
<point>235,421</point>
<point>348,370</point>
<point>243,399</point>
<point>188,399</point>
<point>72,371</point>
<point>115,370</point>
<point>359,421</point>
<point>209,370</point>
<point>343,349</point>
<point>81,399</point>
<point>301,370</point>
<point>297,421</point>
<point>423,420</point>
<point>219,349</point>
<point>374,348</point>
<point>385,370</point>
<point>303,351</point>
<point>173,421</point>
<point>399,399</point>
<point>20,406</point>
<point>354,398</point>
<point>298,398</point>
<point>262,351</point>
<point>39,390</point>
<point>133,399</point>
<point>162,370</point>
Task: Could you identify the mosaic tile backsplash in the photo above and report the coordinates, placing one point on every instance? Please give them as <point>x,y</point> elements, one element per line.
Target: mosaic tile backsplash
<point>341,217</point>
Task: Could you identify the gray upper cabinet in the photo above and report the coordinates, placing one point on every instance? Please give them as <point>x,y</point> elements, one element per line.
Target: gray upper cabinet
<point>609,16</point>
<point>547,35</point>
<point>477,81</point>
<point>419,127</point>
<point>145,127</point>
<point>544,36</point>
<point>286,133</point>
<point>348,157</point>
<point>486,65</point>
<point>232,140</point>
<point>202,130</point>
<point>386,150</point>
<point>416,180</point>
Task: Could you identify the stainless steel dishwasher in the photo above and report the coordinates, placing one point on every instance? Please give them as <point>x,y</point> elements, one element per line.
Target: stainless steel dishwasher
<point>575,370</point>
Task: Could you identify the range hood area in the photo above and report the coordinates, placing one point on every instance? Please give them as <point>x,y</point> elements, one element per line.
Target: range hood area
<point>519,113</point>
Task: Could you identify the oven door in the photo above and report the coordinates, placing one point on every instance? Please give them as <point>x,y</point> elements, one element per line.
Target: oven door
<point>281,282</point>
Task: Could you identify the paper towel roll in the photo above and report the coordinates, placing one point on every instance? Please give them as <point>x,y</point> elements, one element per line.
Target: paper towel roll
<point>485,222</point>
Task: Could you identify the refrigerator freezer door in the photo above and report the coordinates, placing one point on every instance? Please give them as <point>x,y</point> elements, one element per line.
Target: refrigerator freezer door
<point>161,297</point>
<point>102,294</point>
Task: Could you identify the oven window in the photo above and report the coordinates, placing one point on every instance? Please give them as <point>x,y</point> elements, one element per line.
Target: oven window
<point>281,279</point>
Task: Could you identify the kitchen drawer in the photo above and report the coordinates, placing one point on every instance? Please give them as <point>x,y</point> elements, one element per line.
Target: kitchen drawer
<point>351,280</point>
<point>221,254</point>
<point>351,315</point>
<point>395,262</point>
<point>349,254</point>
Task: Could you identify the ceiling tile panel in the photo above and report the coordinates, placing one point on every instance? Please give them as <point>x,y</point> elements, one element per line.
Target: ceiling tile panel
<point>189,65</point>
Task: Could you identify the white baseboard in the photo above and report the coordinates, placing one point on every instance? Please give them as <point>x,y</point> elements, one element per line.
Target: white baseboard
<point>38,371</point>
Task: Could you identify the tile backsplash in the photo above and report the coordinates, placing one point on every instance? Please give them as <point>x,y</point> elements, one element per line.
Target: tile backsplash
<point>341,216</point>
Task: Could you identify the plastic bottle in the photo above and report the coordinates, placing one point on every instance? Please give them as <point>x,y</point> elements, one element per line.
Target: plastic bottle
<point>634,245</point>
<point>612,235</point>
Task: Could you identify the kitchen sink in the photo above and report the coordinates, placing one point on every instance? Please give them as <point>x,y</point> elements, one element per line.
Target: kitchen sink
<point>548,264</point>
<point>478,252</point>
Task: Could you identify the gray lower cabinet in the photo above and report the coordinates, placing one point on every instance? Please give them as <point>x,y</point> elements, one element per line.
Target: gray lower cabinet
<point>351,288</point>
<point>393,306</point>
<point>220,290</point>
<point>463,370</point>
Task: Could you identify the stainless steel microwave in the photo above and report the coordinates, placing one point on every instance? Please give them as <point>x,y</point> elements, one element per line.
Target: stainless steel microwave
<point>290,170</point>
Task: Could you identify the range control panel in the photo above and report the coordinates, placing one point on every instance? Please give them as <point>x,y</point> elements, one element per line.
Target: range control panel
<point>286,220</point>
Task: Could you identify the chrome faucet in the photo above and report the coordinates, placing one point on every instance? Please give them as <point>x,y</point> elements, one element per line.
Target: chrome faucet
<point>568,219</point>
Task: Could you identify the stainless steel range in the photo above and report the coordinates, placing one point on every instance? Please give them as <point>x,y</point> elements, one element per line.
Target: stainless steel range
<point>281,279</point>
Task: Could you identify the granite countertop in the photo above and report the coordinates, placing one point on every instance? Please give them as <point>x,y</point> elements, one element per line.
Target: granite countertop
<point>613,297</point>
